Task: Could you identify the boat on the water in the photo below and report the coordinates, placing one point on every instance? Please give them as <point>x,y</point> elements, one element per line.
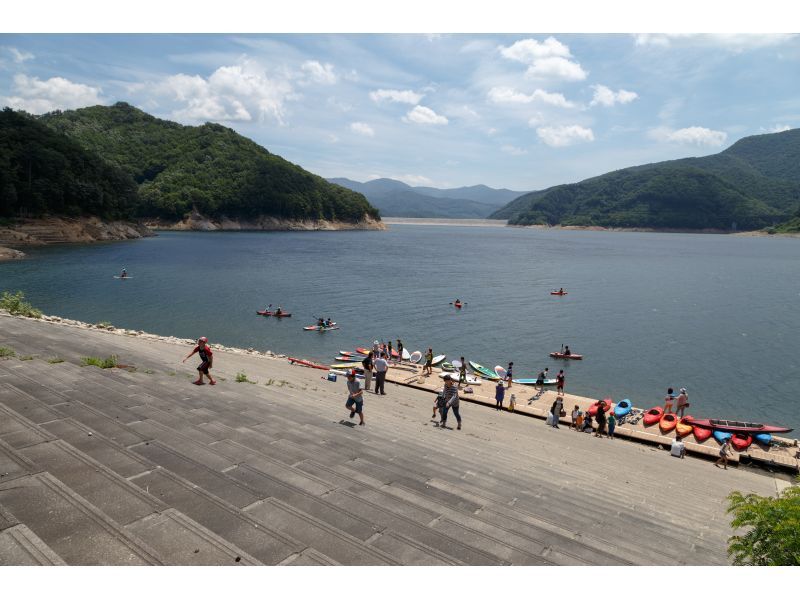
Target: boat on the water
<point>283,314</point>
<point>735,426</point>
<point>557,355</point>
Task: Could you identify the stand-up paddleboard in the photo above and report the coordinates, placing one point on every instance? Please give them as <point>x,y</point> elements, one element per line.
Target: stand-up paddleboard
<point>348,359</point>
<point>471,380</point>
<point>532,381</point>
<point>363,351</point>
<point>482,371</point>
<point>406,354</point>
<point>123,277</point>
<point>623,408</point>
<point>349,353</point>
<point>456,364</point>
<point>322,328</point>
<point>438,359</point>
<point>346,366</point>
<point>500,371</point>
<point>415,357</point>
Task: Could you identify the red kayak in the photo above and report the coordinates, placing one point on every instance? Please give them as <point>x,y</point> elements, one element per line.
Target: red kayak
<point>734,426</point>
<point>741,441</point>
<point>457,305</point>
<point>309,364</point>
<point>558,355</point>
<point>653,416</point>
<point>283,314</point>
<point>667,422</point>
<point>558,293</point>
<point>596,405</point>
<point>700,434</point>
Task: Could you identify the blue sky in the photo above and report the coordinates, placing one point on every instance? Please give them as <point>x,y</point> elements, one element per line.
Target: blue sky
<point>521,111</point>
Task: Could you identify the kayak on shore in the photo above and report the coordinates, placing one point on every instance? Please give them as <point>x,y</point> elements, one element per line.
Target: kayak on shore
<point>309,364</point>
<point>725,425</point>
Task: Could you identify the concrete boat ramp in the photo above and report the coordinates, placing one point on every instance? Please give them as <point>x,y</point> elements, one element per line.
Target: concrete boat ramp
<point>124,466</point>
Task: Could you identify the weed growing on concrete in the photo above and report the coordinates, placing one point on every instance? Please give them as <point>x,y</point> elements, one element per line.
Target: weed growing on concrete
<point>15,304</point>
<point>26,358</point>
<point>7,352</point>
<point>109,362</point>
<point>55,360</point>
<point>269,382</point>
<point>241,377</point>
<point>103,325</point>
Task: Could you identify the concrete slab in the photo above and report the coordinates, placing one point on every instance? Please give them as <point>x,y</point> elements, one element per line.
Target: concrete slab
<point>20,546</point>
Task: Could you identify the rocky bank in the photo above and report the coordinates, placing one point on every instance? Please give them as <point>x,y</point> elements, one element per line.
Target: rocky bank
<point>198,222</point>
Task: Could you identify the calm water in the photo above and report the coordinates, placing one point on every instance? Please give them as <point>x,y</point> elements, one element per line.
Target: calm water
<point>716,314</point>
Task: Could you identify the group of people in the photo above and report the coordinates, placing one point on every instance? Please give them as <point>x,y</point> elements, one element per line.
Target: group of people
<point>323,323</point>
<point>682,402</point>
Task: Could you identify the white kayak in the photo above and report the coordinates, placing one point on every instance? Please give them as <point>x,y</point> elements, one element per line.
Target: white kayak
<point>406,355</point>
<point>471,380</point>
<point>415,357</point>
<point>438,359</point>
<point>123,277</point>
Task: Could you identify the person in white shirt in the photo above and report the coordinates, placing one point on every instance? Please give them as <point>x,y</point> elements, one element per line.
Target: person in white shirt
<point>381,366</point>
<point>678,449</point>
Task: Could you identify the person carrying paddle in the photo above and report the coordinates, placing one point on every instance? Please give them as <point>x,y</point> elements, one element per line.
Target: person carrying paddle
<point>204,350</point>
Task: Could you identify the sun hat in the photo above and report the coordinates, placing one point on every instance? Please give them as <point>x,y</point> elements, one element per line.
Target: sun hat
<point>202,339</point>
<point>683,391</point>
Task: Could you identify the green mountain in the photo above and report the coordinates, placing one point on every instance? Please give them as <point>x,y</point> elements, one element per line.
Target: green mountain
<point>43,172</point>
<point>210,169</point>
<point>753,184</point>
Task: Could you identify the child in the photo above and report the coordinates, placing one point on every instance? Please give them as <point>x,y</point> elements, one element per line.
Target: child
<point>612,423</point>
<point>207,357</point>
<point>577,420</point>
<point>512,402</point>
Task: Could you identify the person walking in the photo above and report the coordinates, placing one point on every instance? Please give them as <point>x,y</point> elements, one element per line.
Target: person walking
<point>499,394</point>
<point>669,400</point>
<point>428,362</point>
<point>555,410</point>
<point>612,423</point>
<point>600,416</point>
<point>509,375</point>
<point>438,404</point>
<point>683,402</point>
<point>368,367</point>
<point>207,360</point>
<point>381,367</point>
<point>724,451</point>
<point>451,402</point>
<point>560,379</point>
<point>462,372</point>
<point>355,397</point>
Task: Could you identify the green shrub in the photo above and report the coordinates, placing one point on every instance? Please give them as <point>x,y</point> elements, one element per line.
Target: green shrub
<point>26,357</point>
<point>773,528</point>
<point>55,360</point>
<point>103,325</point>
<point>15,304</point>
<point>7,352</point>
<point>109,362</point>
<point>241,377</point>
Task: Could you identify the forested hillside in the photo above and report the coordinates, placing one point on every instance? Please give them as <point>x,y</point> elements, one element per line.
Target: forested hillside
<point>753,184</point>
<point>210,168</point>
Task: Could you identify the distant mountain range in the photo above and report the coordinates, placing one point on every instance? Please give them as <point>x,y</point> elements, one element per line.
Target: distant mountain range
<point>395,198</point>
<point>753,184</point>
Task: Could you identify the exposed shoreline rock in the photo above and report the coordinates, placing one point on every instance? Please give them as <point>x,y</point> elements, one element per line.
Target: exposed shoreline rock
<point>197,222</point>
<point>52,229</point>
<point>7,254</point>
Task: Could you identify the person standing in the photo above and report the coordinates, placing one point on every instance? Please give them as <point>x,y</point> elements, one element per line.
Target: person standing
<point>539,385</point>
<point>612,423</point>
<point>499,394</point>
<point>389,351</point>
<point>683,402</point>
<point>600,416</point>
<point>355,397</point>
<point>555,410</point>
<point>576,413</point>
<point>207,360</point>
<point>451,402</point>
<point>512,402</point>
<point>668,400</point>
<point>462,372</point>
<point>428,362</point>
<point>381,366</point>
<point>724,451</point>
<point>399,350</point>
<point>368,367</point>
<point>560,379</point>
<point>509,375</point>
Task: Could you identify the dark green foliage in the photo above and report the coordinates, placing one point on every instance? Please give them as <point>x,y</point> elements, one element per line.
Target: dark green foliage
<point>15,304</point>
<point>42,172</point>
<point>753,184</point>
<point>772,527</point>
<point>211,169</point>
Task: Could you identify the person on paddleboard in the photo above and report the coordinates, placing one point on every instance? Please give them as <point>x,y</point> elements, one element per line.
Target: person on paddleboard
<point>124,273</point>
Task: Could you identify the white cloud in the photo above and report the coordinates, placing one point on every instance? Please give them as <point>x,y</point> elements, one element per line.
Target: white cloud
<point>405,96</point>
<point>700,136</point>
<point>319,73</point>
<point>242,92</point>
<point>536,119</point>
<point>491,131</point>
<point>777,128</point>
<point>415,180</point>
<point>462,111</point>
<point>20,56</point>
<point>564,135</point>
<point>423,115</point>
<point>546,60</point>
<point>513,150</point>
<point>605,96</point>
<point>37,97</point>
<point>732,41</point>
<point>508,95</point>
<point>362,129</point>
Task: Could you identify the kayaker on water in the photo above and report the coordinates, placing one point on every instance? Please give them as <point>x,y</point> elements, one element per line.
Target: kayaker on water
<point>328,323</point>
<point>320,322</point>
<point>278,311</point>
<point>567,352</point>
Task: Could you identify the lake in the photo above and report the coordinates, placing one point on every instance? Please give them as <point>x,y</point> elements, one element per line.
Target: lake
<point>717,314</point>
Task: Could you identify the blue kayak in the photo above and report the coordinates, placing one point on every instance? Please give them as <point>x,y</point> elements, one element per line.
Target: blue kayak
<point>623,408</point>
<point>721,436</point>
<point>764,438</point>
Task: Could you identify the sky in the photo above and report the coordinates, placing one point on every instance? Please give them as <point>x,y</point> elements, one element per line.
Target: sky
<point>522,111</point>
